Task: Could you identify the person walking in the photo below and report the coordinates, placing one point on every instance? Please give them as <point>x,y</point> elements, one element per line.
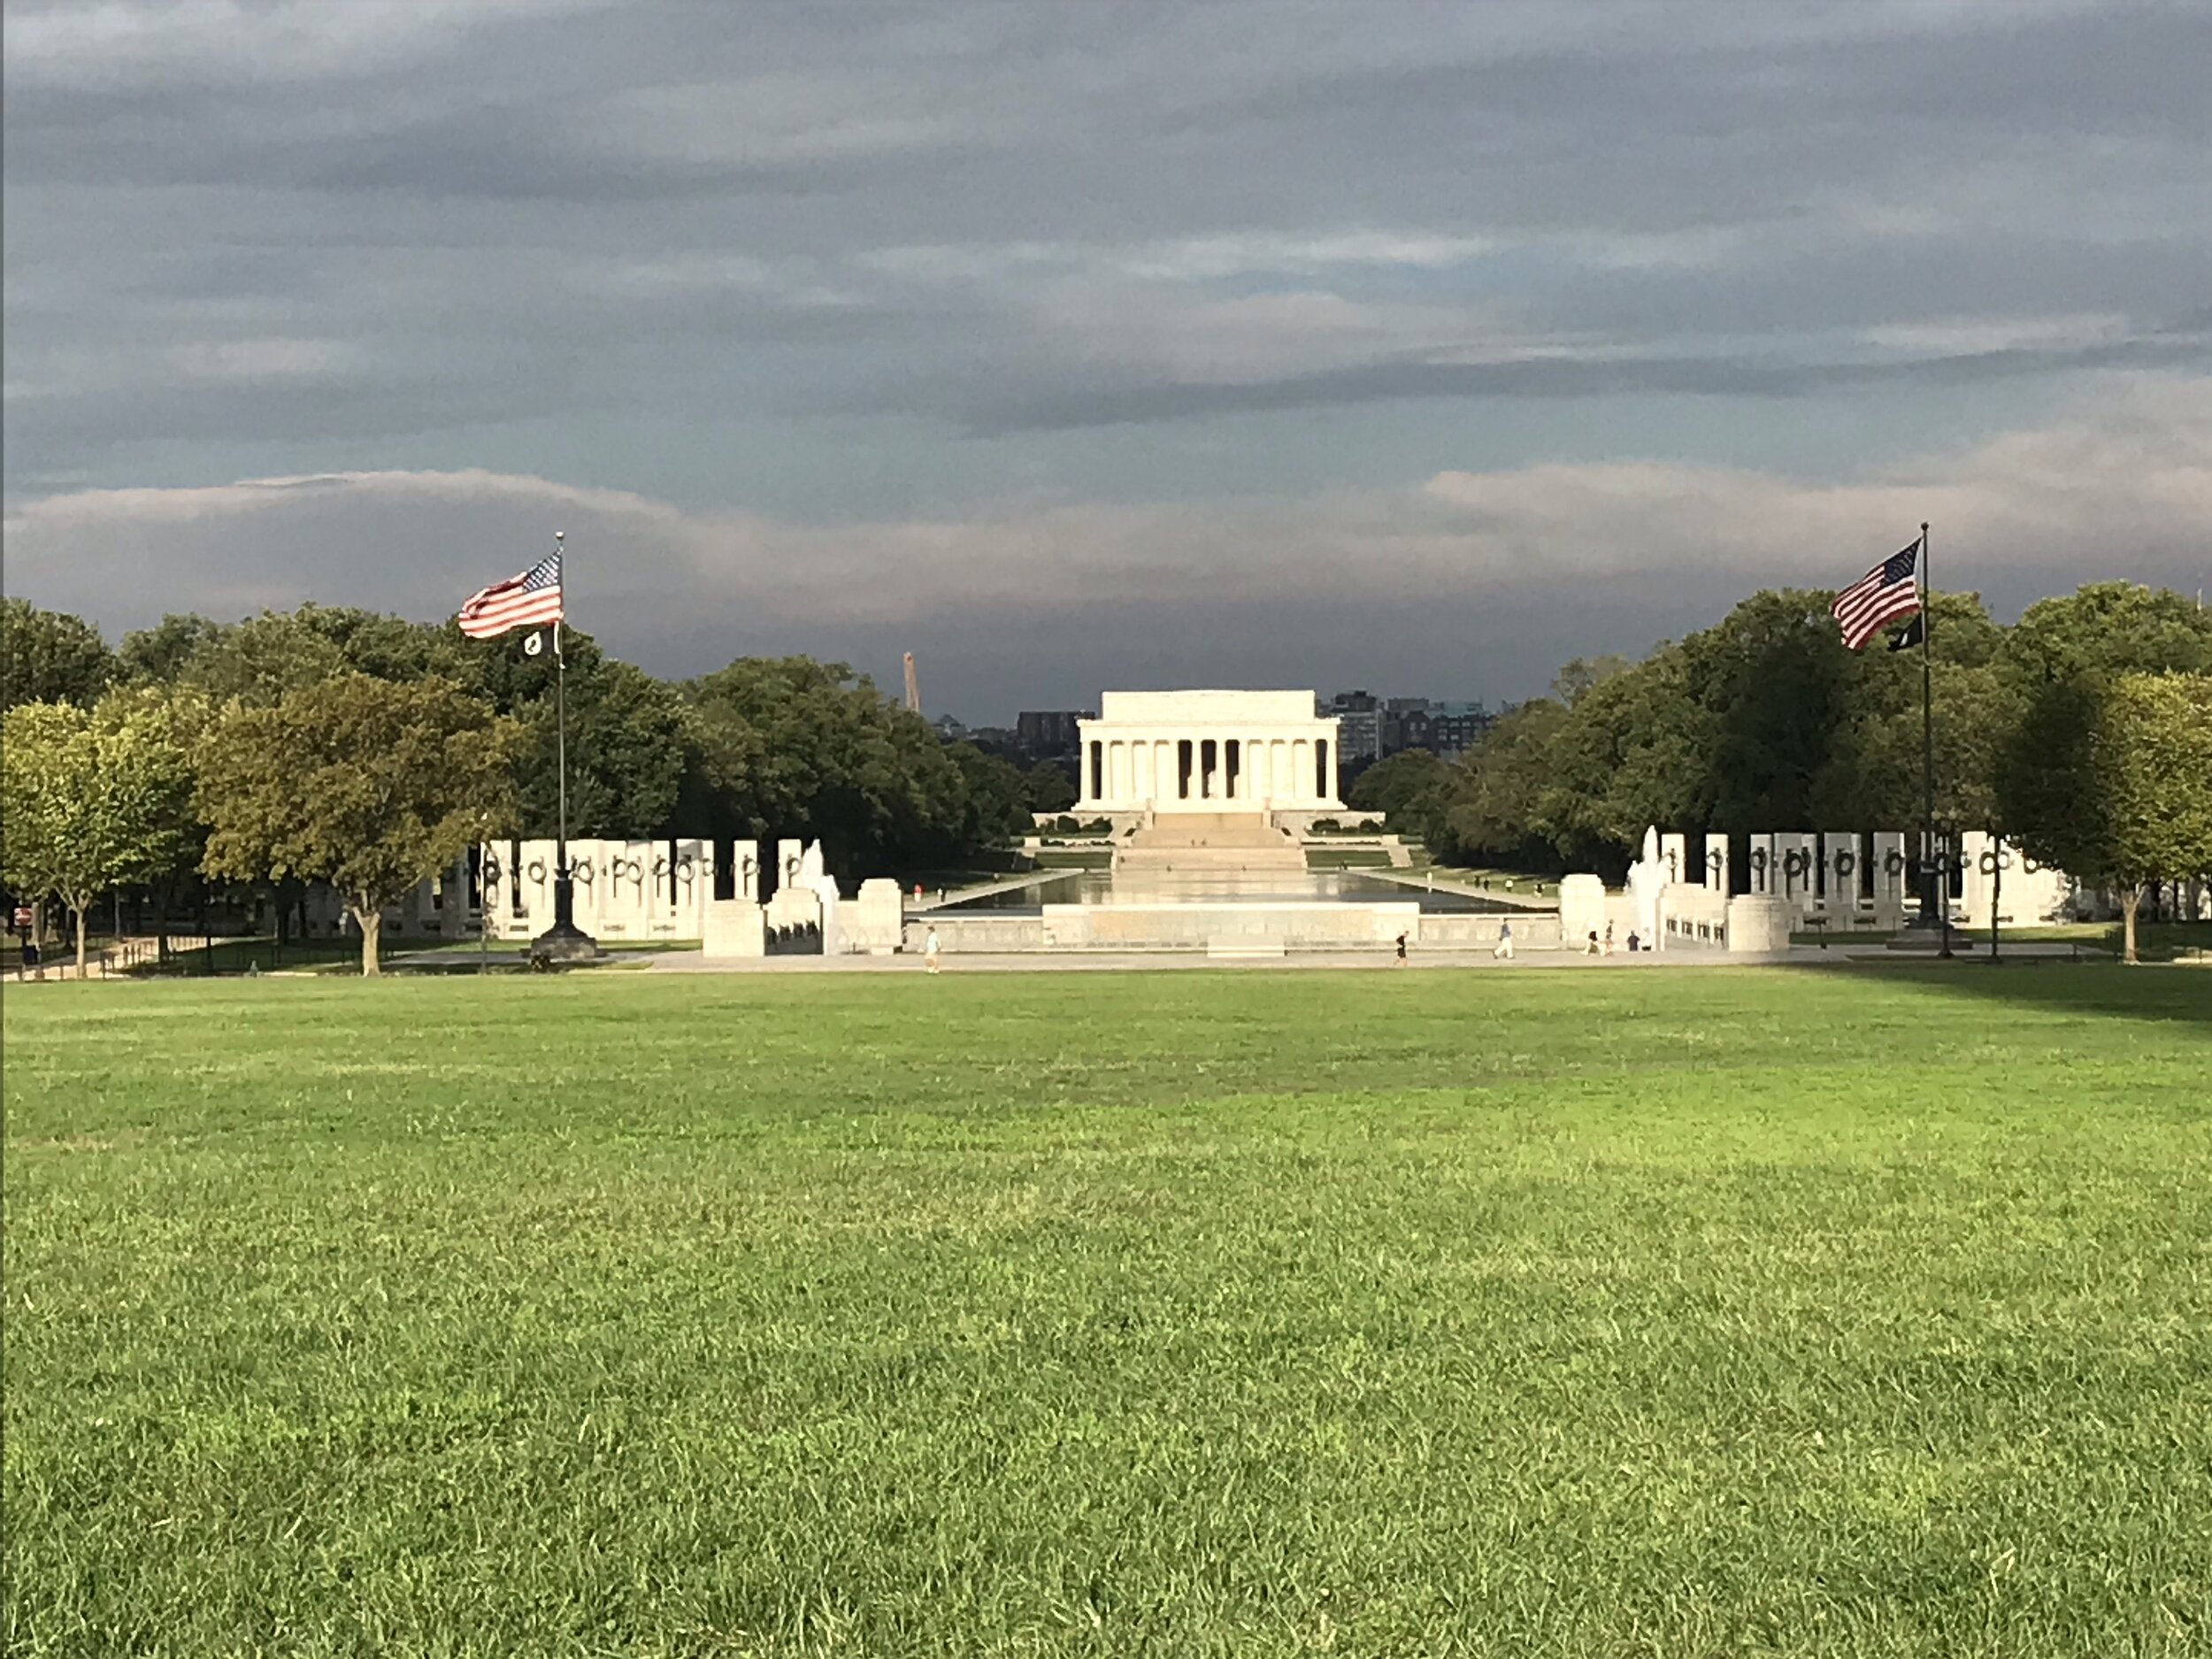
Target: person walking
<point>1591,949</point>
<point>1504,952</point>
<point>1402,951</point>
<point>930,949</point>
<point>1608,939</point>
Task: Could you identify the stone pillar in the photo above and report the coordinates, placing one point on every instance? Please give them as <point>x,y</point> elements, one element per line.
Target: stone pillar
<point>1581,910</point>
<point>734,928</point>
<point>1971,911</point>
<point>878,920</point>
<point>1841,899</point>
<point>745,871</point>
<point>1893,890</point>
<point>1716,874</point>
<point>1795,854</point>
<point>1759,925</point>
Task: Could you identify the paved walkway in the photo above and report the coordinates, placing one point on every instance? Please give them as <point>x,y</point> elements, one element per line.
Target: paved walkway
<point>1109,961</point>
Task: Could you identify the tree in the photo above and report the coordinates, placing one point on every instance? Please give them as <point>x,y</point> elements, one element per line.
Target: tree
<point>997,793</point>
<point>631,739</point>
<point>368,785</point>
<point>1577,679</point>
<point>2111,779</point>
<point>1773,680</point>
<point>261,660</point>
<point>50,656</point>
<point>1492,813</point>
<point>2110,629</point>
<point>95,799</point>
<point>1633,751</point>
<point>1411,788</point>
<point>1050,787</point>
<point>838,761</point>
<point>157,656</point>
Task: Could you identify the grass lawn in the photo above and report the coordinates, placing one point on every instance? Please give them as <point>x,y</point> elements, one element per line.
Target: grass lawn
<point>1841,1310</point>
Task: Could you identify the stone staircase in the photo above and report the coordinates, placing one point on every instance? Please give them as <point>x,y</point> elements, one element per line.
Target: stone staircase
<point>1210,840</point>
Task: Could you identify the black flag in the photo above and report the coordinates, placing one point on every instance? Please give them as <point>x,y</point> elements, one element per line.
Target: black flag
<point>1909,636</point>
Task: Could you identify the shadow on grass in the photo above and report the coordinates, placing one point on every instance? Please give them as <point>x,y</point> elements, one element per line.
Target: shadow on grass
<point>2162,995</point>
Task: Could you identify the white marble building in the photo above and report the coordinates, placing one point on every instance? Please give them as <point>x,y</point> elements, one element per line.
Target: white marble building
<point>1207,751</point>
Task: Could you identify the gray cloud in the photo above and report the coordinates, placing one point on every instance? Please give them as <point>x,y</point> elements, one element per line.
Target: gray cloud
<point>868,289</point>
<point>1471,580</point>
<point>1594,377</point>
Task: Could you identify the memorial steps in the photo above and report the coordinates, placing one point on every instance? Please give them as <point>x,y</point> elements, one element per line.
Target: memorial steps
<point>1207,843</point>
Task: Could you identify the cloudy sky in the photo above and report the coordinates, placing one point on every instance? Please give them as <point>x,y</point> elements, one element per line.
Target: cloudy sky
<point>1074,346</point>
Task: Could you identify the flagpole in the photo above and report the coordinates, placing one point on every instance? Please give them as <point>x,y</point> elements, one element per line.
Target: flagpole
<point>1934,900</point>
<point>560,718</point>
<point>562,941</point>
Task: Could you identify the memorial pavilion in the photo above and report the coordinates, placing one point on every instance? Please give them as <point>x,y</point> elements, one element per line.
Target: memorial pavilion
<point>1209,751</point>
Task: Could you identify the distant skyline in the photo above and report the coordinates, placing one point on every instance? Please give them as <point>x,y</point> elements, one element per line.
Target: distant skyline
<point>1405,347</point>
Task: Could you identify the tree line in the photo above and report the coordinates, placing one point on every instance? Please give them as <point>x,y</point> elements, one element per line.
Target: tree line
<point>368,751</point>
<point>2083,732</point>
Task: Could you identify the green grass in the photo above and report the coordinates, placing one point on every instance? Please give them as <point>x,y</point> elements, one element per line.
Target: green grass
<point>1836,1311</point>
<point>1347,858</point>
<point>1099,858</point>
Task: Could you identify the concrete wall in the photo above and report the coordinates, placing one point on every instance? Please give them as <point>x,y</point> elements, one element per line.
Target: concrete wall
<point>1197,927</point>
<point>1455,930</point>
<point>977,934</point>
<point>624,890</point>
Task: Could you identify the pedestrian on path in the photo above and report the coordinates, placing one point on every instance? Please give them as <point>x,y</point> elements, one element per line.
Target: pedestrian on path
<point>1504,952</point>
<point>930,949</point>
<point>1402,951</point>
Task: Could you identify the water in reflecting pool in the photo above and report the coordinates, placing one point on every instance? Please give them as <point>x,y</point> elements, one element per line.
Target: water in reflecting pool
<point>1218,887</point>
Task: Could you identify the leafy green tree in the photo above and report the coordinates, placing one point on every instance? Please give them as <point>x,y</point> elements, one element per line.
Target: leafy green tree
<point>1632,752</point>
<point>94,799</point>
<point>1492,809</point>
<point>50,656</point>
<point>2110,629</point>
<point>1050,787</point>
<point>261,660</point>
<point>725,757</point>
<point>157,656</point>
<point>371,786</point>
<point>997,793</point>
<point>631,739</point>
<point>2111,778</point>
<point>1577,679</point>
<point>838,761</point>
<point>1412,788</point>
<point>1773,680</point>
<point>393,648</point>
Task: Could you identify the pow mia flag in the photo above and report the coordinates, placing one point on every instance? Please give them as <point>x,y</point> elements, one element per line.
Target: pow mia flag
<point>535,643</point>
<point>1909,636</point>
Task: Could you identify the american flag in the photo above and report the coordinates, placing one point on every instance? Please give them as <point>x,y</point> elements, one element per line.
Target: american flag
<point>528,601</point>
<point>1878,598</point>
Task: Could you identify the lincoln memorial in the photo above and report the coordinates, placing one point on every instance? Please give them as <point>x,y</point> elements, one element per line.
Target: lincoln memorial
<point>1207,751</point>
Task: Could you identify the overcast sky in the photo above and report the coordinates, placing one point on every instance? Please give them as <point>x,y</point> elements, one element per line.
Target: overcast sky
<point>1082,346</point>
